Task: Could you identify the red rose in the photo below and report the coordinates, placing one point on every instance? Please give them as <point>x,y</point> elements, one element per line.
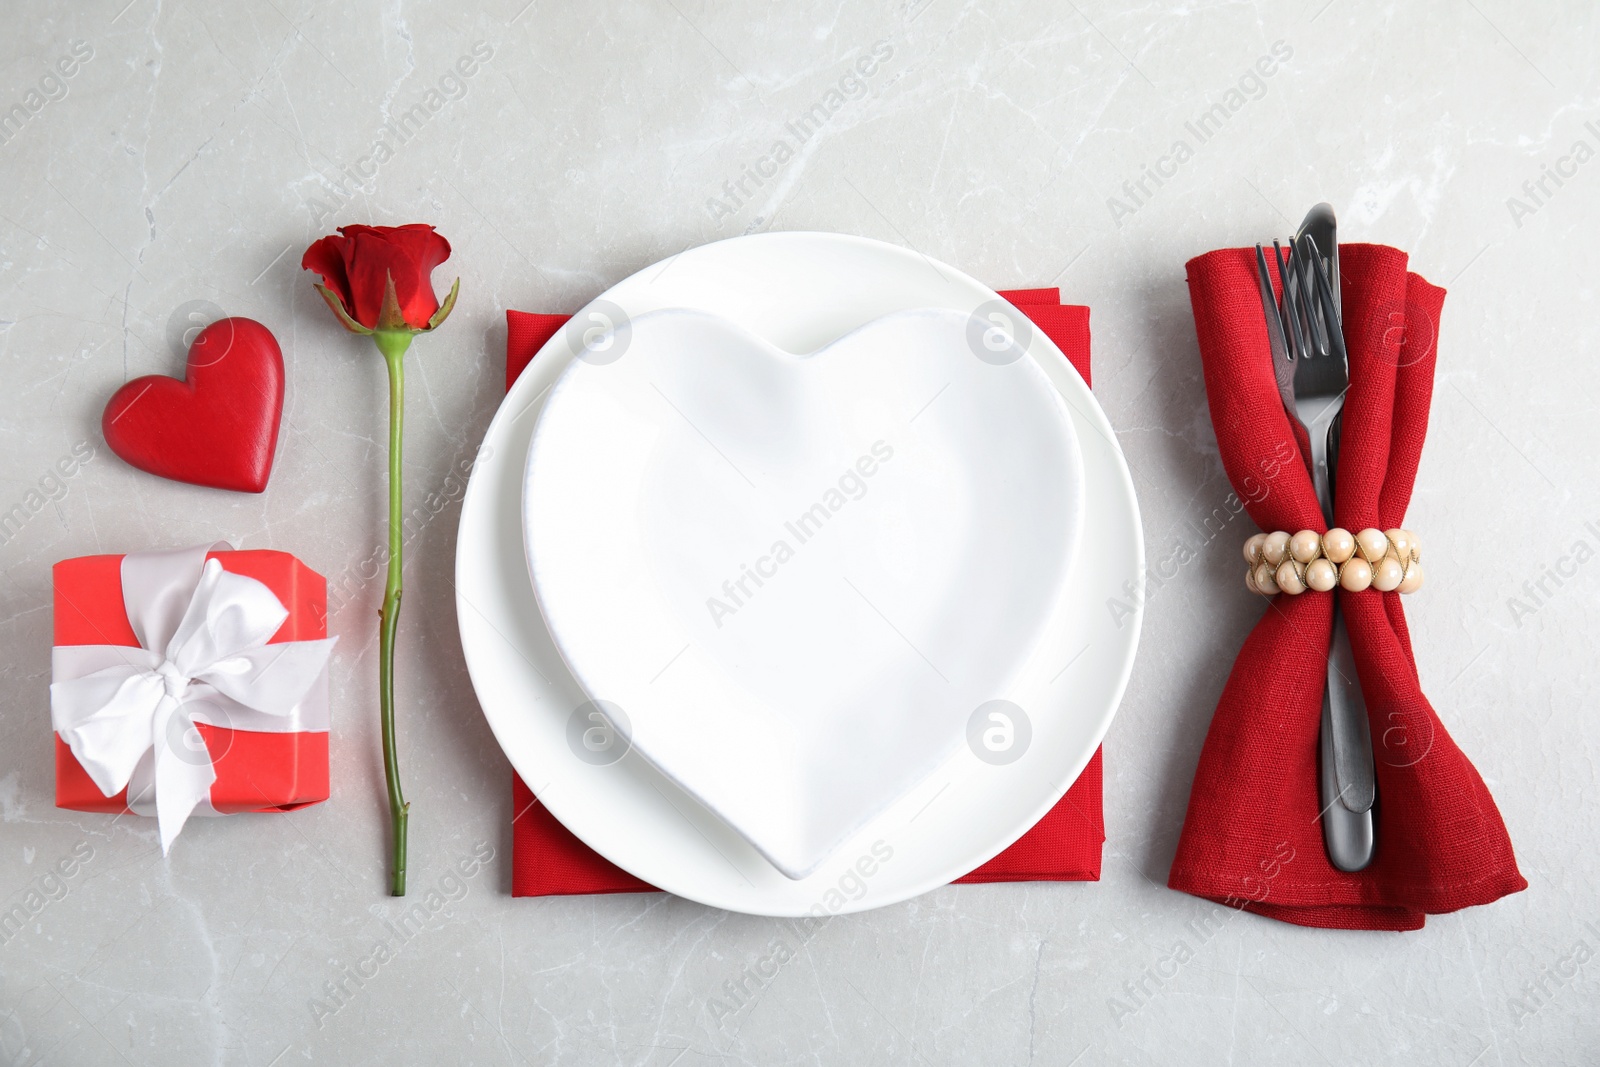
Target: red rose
<point>378,281</point>
<point>360,265</point>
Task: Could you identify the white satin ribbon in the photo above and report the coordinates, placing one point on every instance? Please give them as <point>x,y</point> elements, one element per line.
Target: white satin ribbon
<point>128,712</point>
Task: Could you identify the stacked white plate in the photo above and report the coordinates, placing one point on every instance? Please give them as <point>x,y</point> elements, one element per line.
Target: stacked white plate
<point>783,578</point>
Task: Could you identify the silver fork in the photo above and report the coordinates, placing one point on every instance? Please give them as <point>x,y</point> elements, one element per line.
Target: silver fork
<point>1315,337</point>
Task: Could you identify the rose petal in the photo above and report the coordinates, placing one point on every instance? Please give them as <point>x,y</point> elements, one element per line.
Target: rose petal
<point>325,257</point>
<point>358,264</point>
<point>423,250</point>
<point>370,260</point>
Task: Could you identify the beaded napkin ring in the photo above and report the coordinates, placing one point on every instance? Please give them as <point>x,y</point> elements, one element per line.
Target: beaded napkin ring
<point>1384,560</point>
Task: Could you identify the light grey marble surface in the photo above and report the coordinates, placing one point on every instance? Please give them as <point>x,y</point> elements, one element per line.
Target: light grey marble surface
<point>196,149</point>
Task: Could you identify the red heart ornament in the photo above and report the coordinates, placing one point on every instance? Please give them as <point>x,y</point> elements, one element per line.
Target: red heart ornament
<point>216,427</point>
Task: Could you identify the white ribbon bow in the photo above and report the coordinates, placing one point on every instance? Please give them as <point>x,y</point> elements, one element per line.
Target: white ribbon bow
<point>128,713</point>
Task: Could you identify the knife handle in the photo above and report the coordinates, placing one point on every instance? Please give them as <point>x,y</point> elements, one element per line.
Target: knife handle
<point>1347,835</point>
<point>1352,735</point>
<point>1346,777</point>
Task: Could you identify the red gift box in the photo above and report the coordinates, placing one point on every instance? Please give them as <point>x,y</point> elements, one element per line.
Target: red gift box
<point>256,771</point>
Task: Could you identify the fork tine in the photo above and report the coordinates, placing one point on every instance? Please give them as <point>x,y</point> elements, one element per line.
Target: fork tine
<point>1266,278</point>
<point>1330,310</point>
<point>1305,253</point>
<point>1297,345</point>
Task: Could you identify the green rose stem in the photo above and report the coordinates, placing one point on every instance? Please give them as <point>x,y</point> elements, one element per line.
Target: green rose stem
<point>393,345</point>
<point>392,335</point>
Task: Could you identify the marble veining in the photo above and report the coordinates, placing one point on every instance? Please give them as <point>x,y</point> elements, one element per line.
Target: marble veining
<point>164,159</point>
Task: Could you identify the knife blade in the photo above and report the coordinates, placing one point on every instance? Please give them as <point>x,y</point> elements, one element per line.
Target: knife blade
<point>1346,775</point>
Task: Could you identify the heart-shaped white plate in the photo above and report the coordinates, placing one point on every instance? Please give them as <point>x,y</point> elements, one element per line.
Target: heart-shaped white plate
<point>801,291</point>
<point>794,579</point>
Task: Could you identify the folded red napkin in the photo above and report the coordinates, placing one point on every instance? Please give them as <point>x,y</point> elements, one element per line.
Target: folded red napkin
<point>547,859</point>
<point>1252,838</point>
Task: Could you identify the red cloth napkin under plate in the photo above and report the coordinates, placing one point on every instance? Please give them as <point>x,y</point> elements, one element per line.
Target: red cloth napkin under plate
<point>547,859</point>
<point>1252,837</point>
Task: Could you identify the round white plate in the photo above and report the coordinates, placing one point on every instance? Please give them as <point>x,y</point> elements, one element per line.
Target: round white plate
<point>798,291</point>
<point>799,575</point>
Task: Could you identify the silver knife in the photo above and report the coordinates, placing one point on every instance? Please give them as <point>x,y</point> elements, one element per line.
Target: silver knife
<point>1346,775</point>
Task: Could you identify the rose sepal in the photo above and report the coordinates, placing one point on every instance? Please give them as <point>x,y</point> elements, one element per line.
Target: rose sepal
<point>444,309</point>
<point>337,306</point>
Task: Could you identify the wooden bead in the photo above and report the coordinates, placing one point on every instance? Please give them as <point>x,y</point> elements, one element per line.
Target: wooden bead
<point>1338,544</point>
<point>1321,575</point>
<point>1355,575</point>
<point>1266,580</point>
<point>1387,575</point>
<point>1305,546</point>
<point>1372,545</point>
<point>1386,560</point>
<point>1276,547</point>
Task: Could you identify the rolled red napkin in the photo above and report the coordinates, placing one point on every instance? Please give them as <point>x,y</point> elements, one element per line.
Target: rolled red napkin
<point>1252,836</point>
<point>548,859</point>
